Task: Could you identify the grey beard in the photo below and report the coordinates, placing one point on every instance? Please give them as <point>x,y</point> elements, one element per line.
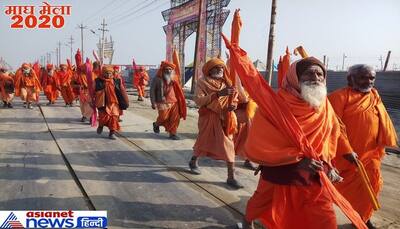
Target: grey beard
<point>167,78</point>
<point>313,94</point>
<point>217,76</point>
<point>363,90</point>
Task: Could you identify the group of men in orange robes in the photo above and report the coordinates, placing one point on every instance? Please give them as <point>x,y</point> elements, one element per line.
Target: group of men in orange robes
<point>347,127</point>
<point>28,82</point>
<point>310,146</point>
<point>289,193</point>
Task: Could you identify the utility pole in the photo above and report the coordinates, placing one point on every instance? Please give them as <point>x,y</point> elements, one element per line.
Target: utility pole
<point>344,57</point>
<point>271,41</point>
<point>58,63</point>
<point>81,27</point>
<point>103,30</point>
<point>195,63</point>
<point>387,61</point>
<point>59,52</point>
<point>327,63</point>
<point>381,60</point>
<point>71,41</point>
<point>48,55</point>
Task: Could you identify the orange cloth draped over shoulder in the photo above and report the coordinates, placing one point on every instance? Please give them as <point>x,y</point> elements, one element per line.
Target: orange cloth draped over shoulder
<point>213,141</point>
<point>369,129</point>
<point>180,96</point>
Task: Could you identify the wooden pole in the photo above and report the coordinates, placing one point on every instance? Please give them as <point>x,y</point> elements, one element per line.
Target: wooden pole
<point>195,50</point>
<point>387,61</point>
<point>271,41</point>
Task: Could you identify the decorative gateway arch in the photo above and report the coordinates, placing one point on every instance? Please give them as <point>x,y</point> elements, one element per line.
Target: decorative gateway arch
<point>206,17</point>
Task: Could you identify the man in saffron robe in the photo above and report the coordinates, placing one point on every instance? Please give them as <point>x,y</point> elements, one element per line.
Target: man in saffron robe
<point>85,99</point>
<point>27,85</point>
<point>212,96</point>
<point>140,81</point>
<point>290,193</point>
<point>167,96</point>
<point>6,87</point>
<point>49,84</point>
<point>117,75</point>
<point>110,98</point>
<point>64,77</point>
<point>369,130</point>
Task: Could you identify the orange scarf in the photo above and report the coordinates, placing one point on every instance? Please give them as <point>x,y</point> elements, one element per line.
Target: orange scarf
<point>230,119</point>
<point>387,133</point>
<point>109,89</point>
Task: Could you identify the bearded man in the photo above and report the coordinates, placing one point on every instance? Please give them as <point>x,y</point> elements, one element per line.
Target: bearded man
<point>369,130</point>
<point>167,96</point>
<point>27,85</point>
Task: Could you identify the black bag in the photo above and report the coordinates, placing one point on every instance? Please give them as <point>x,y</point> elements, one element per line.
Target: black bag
<point>9,87</point>
<point>121,94</point>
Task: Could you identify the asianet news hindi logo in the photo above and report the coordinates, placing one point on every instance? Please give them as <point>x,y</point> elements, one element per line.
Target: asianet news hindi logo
<point>11,222</point>
<point>53,219</point>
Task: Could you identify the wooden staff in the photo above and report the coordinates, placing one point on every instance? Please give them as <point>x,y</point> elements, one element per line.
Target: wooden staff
<point>367,184</point>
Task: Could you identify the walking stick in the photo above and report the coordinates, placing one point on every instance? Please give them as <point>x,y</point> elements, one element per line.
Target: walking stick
<point>367,184</point>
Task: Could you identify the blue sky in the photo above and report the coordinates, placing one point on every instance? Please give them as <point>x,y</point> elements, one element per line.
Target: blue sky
<point>362,29</point>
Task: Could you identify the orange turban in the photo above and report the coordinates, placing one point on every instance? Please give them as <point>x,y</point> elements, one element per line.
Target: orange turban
<point>49,66</point>
<point>163,65</point>
<point>211,64</point>
<point>107,68</point>
<point>291,81</point>
<point>25,65</point>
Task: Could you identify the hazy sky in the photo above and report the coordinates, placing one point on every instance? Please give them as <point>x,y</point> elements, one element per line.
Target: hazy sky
<point>362,29</point>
